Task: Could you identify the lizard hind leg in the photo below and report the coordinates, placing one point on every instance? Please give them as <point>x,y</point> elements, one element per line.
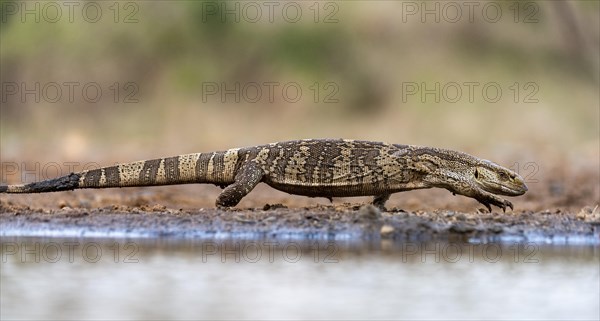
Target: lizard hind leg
<point>245,180</point>
<point>379,201</point>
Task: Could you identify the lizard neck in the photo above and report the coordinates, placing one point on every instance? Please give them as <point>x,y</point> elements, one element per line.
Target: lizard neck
<point>439,167</point>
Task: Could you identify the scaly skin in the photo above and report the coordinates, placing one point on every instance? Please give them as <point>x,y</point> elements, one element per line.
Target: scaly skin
<point>312,167</point>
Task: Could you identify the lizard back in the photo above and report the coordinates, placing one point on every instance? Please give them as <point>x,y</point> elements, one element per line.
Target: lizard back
<point>340,167</point>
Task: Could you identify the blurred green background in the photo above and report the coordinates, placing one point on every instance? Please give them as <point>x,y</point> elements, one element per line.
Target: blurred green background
<point>362,67</point>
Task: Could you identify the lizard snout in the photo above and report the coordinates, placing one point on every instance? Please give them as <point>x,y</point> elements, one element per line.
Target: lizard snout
<point>516,187</point>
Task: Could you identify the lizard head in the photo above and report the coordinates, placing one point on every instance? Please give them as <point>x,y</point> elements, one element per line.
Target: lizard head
<point>496,179</point>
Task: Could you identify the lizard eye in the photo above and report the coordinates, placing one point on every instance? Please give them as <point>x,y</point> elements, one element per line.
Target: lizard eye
<point>503,176</point>
<point>476,173</point>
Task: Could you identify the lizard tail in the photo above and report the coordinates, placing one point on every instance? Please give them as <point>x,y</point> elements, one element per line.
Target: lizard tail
<point>64,183</point>
<point>216,168</point>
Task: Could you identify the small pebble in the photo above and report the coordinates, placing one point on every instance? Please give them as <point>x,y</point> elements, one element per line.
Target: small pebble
<point>387,230</point>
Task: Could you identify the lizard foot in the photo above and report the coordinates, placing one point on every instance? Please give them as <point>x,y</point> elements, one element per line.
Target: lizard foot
<point>496,201</point>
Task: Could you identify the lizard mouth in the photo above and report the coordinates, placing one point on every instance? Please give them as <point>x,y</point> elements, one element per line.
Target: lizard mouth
<point>514,190</point>
<point>519,188</point>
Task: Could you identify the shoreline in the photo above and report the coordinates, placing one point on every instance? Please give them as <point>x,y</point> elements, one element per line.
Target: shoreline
<point>360,224</point>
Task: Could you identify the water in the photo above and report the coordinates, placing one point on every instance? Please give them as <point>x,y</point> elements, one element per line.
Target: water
<point>54,278</point>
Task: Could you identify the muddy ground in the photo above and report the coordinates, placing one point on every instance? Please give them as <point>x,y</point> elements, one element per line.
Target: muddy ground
<point>563,212</point>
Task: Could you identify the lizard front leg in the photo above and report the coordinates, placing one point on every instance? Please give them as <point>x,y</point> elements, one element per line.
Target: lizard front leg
<point>489,199</point>
<point>245,180</point>
<point>486,198</point>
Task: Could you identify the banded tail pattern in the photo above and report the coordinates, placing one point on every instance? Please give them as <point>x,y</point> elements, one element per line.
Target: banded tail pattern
<point>213,168</point>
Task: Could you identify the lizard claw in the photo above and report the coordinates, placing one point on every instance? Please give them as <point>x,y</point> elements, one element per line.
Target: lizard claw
<point>489,207</point>
<point>506,204</point>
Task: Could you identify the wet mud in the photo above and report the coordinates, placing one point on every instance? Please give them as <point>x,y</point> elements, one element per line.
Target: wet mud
<point>181,212</point>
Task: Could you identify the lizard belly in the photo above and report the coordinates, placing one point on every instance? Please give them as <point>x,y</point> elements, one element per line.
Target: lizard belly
<point>334,190</point>
<point>347,184</point>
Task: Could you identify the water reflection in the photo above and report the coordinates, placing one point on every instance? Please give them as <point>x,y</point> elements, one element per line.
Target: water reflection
<point>135,279</point>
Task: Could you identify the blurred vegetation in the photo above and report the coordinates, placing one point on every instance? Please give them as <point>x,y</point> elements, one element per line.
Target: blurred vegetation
<point>368,52</point>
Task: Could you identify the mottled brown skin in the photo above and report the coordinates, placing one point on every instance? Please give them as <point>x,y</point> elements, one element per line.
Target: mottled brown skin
<point>313,167</point>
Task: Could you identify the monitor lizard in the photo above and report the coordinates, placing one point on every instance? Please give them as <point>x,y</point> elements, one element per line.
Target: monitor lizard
<point>311,167</point>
